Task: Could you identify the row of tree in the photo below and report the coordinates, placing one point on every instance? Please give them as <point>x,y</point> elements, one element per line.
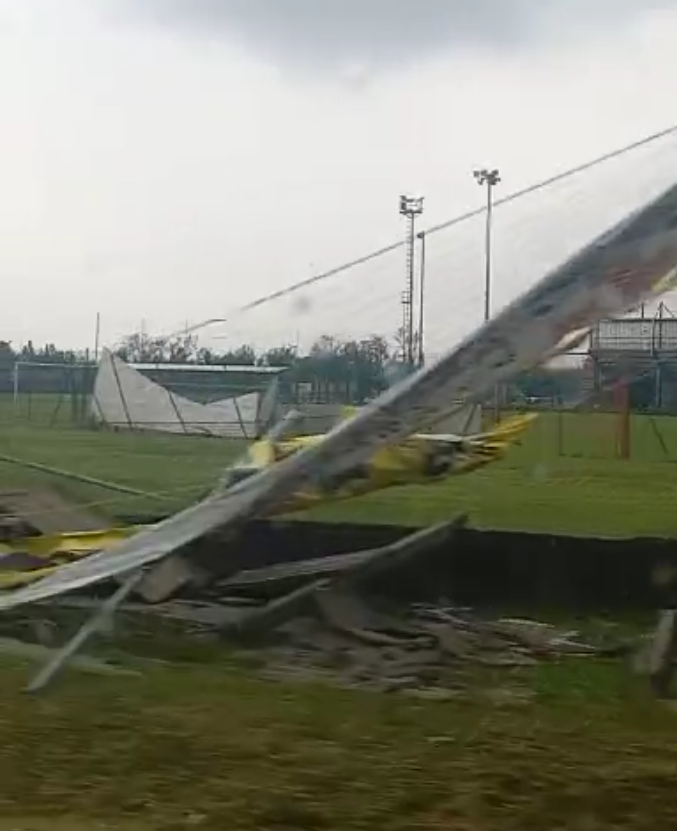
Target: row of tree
<point>47,354</point>
<point>143,348</point>
<point>333,369</point>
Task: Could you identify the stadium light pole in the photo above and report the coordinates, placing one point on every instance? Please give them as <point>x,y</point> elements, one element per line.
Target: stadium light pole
<point>487,179</point>
<point>411,207</point>
<point>421,300</point>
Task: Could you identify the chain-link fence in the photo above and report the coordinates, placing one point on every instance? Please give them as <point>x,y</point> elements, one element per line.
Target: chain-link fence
<point>601,404</point>
<point>46,394</point>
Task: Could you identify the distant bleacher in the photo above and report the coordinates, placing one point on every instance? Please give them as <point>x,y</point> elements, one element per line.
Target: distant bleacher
<point>640,349</point>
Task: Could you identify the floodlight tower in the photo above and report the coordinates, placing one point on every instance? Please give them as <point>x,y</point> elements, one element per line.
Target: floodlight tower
<point>411,207</point>
<point>487,179</point>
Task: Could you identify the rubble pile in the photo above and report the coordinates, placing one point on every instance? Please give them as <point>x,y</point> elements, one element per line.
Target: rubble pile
<point>334,618</point>
<point>356,638</point>
<point>357,641</point>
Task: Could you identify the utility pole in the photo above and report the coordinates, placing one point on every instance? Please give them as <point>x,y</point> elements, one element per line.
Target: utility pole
<point>97,337</point>
<point>411,207</point>
<point>421,300</point>
<point>487,179</point>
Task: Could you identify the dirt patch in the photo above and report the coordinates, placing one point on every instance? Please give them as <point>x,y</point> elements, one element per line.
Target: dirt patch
<point>46,511</point>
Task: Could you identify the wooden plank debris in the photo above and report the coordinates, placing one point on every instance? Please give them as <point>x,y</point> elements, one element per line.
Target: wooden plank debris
<point>359,564</point>
<point>346,573</point>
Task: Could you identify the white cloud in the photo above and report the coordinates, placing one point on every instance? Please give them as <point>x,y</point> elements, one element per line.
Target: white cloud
<point>324,35</point>
<point>151,176</point>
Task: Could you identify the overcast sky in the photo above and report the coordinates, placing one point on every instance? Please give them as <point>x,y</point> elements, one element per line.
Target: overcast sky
<point>167,161</point>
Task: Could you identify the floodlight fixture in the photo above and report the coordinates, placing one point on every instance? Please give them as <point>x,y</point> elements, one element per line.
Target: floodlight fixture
<point>411,205</point>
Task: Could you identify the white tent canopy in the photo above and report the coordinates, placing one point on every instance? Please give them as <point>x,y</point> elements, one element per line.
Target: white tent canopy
<point>125,399</point>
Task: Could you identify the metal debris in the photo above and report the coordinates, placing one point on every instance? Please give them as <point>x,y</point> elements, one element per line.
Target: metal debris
<point>335,618</point>
<point>657,657</point>
<point>351,638</point>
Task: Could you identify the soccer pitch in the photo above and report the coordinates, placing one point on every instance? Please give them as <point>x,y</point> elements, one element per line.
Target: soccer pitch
<point>564,478</point>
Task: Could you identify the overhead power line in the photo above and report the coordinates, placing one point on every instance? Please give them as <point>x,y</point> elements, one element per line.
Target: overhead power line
<point>511,197</point>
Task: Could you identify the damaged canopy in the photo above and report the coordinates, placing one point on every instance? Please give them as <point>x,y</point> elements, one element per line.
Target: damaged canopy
<point>420,459</point>
<point>608,277</point>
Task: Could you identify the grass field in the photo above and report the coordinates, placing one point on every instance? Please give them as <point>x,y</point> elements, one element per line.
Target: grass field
<point>571,745</point>
<point>208,746</point>
<point>564,478</point>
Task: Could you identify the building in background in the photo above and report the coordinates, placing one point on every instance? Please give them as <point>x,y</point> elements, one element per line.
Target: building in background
<point>640,352</point>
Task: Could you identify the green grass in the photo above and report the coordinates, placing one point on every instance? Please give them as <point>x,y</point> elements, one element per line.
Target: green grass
<point>538,488</point>
<point>180,468</point>
<point>564,478</point>
<point>209,746</point>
